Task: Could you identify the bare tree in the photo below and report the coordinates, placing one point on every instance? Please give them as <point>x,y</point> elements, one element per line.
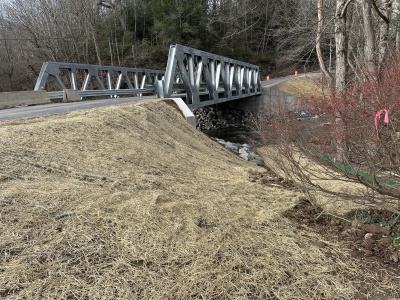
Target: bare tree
<point>319,39</point>
<point>383,12</point>
<point>369,48</point>
<point>341,37</point>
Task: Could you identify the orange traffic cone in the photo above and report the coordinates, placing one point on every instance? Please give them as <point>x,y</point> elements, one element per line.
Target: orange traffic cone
<point>295,73</point>
<point>267,77</point>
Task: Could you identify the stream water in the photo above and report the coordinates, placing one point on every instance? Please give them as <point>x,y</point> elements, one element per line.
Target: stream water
<point>240,135</point>
<point>238,141</point>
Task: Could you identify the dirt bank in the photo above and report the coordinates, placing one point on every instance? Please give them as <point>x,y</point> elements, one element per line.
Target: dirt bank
<point>132,202</point>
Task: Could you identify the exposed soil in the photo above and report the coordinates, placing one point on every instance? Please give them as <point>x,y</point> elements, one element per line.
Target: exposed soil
<point>367,233</point>
<point>269,178</point>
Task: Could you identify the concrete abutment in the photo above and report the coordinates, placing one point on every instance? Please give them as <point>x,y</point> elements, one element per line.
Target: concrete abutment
<point>242,112</point>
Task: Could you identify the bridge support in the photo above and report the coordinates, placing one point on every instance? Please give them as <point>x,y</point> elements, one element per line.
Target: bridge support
<point>184,109</point>
<point>244,112</point>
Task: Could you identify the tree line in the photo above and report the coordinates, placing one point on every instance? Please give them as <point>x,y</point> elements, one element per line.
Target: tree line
<point>137,33</point>
<point>350,35</point>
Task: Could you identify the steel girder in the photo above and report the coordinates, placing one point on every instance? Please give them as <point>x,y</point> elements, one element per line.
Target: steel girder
<point>208,78</point>
<point>106,80</point>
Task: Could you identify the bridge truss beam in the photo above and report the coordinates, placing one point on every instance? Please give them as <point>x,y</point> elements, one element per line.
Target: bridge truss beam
<point>95,80</point>
<point>199,77</point>
<point>208,78</point>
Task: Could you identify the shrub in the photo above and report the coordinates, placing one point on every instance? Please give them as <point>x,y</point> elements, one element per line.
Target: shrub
<point>354,137</point>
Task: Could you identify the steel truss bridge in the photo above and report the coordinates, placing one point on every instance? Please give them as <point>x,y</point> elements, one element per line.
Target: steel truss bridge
<point>198,77</point>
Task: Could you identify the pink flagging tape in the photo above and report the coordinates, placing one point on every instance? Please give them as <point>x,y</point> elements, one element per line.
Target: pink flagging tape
<point>378,116</point>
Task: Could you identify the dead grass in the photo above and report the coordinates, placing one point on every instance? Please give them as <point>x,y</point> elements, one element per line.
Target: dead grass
<point>304,87</point>
<point>131,202</point>
<point>321,176</point>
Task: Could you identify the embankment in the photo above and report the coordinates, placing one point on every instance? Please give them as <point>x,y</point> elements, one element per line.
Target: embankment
<point>132,202</point>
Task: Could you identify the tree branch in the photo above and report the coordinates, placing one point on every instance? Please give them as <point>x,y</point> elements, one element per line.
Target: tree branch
<point>383,17</point>
<point>344,8</point>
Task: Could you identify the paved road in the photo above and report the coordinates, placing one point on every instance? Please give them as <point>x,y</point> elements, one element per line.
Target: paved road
<point>60,108</point>
<point>276,81</point>
<point>27,112</point>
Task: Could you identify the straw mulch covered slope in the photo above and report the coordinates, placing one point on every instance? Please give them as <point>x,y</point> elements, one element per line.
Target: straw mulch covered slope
<point>309,86</point>
<point>131,202</point>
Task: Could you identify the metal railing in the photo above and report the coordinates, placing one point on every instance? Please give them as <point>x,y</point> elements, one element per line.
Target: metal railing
<point>95,80</point>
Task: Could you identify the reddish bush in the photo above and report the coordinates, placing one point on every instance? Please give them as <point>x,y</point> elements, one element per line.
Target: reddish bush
<point>350,134</point>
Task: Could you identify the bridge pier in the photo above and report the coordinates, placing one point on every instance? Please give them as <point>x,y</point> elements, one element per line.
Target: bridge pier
<point>220,116</point>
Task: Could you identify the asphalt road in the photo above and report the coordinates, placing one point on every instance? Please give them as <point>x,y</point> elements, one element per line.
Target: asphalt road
<point>27,112</point>
<point>276,81</point>
<point>34,111</point>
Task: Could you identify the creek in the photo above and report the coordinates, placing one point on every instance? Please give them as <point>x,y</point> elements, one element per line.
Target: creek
<point>240,135</point>
<point>238,141</point>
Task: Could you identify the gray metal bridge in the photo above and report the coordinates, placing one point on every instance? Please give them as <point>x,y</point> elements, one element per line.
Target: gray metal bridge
<point>198,77</point>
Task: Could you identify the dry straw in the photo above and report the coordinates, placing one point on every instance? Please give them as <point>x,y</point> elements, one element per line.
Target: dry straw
<point>131,202</point>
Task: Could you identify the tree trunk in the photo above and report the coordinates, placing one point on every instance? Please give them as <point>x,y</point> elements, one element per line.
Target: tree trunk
<point>341,69</point>
<point>395,21</point>
<point>96,47</point>
<point>320,56</point>
<point>384,30</point>
<point>369,48</point>
<point>341,44</point>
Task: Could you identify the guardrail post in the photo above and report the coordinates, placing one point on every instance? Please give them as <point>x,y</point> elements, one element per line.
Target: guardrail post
<point>160,88</point>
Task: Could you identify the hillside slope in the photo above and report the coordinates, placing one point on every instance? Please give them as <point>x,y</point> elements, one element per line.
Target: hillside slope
<point>131,202</point>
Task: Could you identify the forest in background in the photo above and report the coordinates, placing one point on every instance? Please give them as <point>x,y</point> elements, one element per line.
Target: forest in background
<point>138,33</point>
<point>277,35</point>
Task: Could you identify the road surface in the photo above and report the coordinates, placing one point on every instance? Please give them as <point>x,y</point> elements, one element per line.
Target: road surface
<point>34,111</point>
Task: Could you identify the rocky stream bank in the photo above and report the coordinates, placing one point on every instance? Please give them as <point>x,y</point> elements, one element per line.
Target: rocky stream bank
<point>219,117</point>
<point>222,124</point>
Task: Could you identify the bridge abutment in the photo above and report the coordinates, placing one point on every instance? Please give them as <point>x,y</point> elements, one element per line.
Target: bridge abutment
<point>265,103</point>
<point>243,112</point>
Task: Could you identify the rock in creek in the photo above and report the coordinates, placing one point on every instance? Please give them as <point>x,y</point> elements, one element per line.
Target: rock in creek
<point>242,150</point>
